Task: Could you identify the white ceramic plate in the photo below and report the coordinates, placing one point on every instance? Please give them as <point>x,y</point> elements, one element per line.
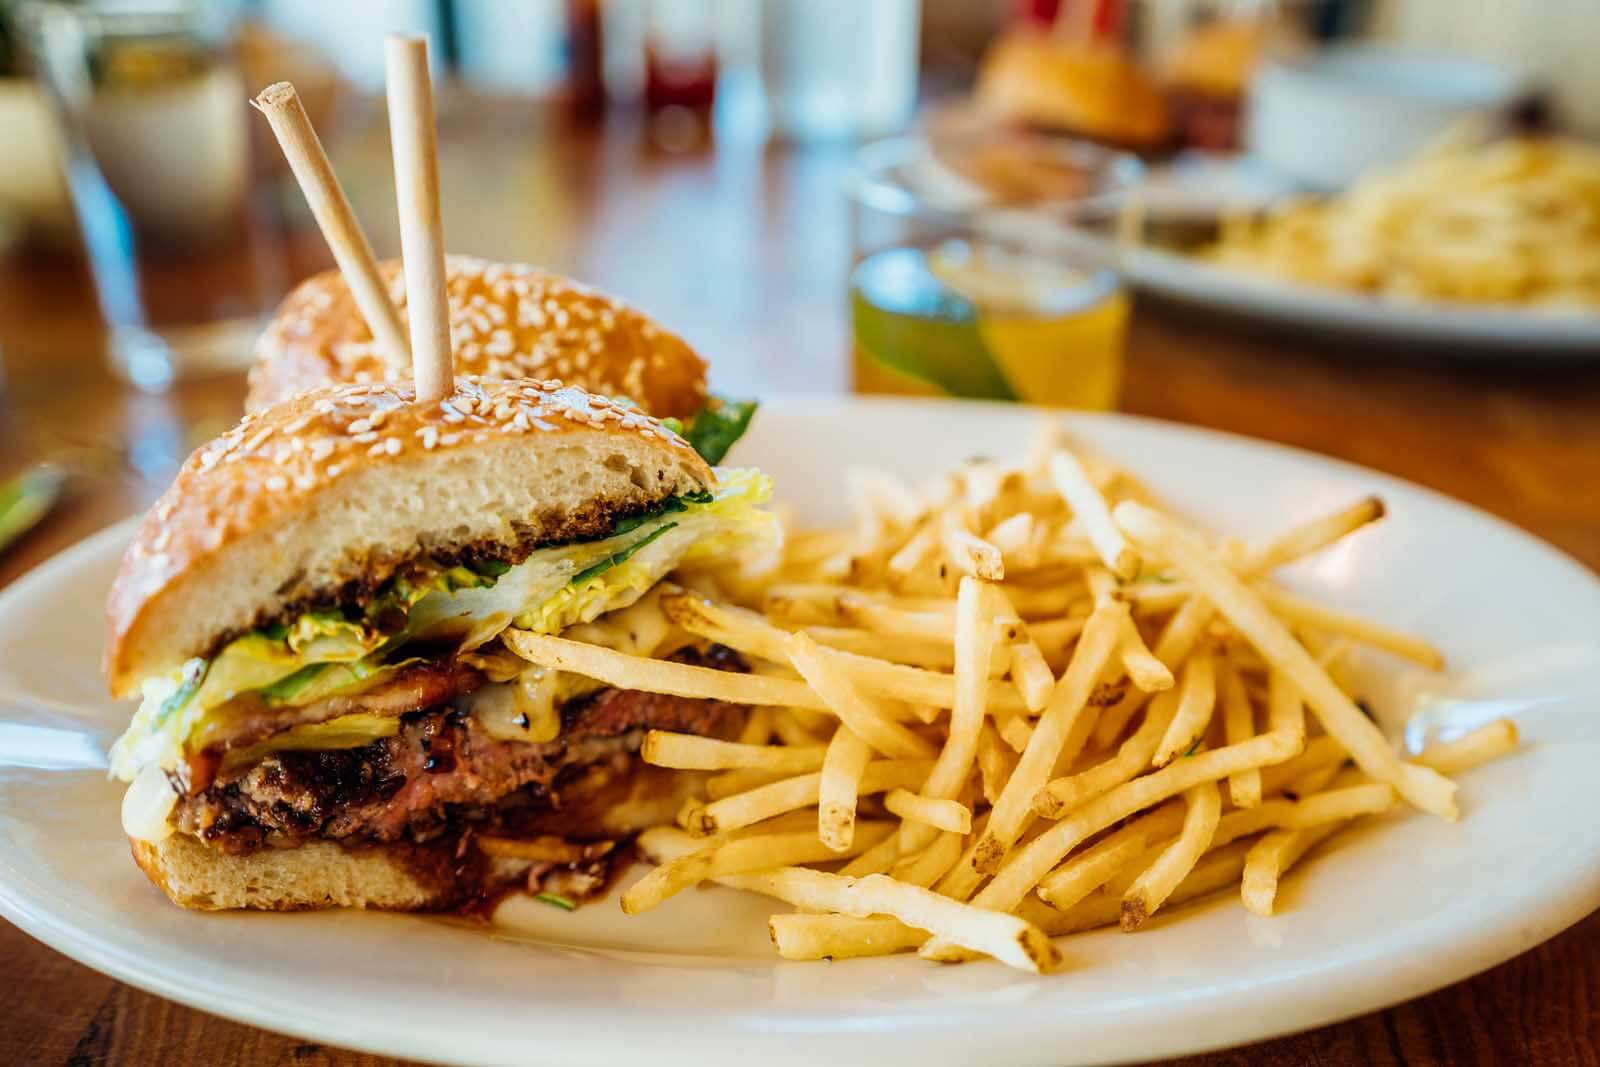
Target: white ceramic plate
<point>1388,912</point>
<point>1449,331</point>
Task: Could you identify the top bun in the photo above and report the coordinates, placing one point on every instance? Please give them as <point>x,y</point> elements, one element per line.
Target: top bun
<point>332,491</point>
<point>1092,90</point>
<point>506,321</point>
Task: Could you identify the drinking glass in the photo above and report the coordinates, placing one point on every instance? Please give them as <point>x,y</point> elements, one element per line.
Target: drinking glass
<point>154,117</point>
<point>986,266</point>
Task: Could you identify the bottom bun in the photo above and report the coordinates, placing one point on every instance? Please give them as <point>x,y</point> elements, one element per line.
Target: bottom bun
<point>443,875</point>
<point>317,874</point>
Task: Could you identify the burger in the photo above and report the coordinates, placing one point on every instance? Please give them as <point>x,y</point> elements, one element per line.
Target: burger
<point>311,616</point>
<point>1058,84</point>
<point>507,321</point>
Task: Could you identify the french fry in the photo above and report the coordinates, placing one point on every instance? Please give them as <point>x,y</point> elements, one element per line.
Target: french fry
<point>659,676</point>
<point>876,860</point>
<point>1010,940</point>
<point>913,556</point>
<point>1238,724</point>
<point>968,552</point>
<point>996,762</point>
<point>1147,672</point>
<point>1216,870</point>
<point>1270,859</point>
<point>1152,888</point>
<point>1013,811</point>
<point>869,718</point>
<point>948,815</point>
<point>1061,795</point>
<point>1091,511</point>
<point>896,681</point>
<point>1197,698</point>
<point>743,809</point>
<point>1286,712</point>
<point>1176,642</point>
<point>1029,671</point>
<point>974,646</point>
<point>1301,612</point>
<point>1317,808</point>
<point>1425,788</point>
<point>929,865</point>
<point>837,788</point>
<point>1016,731</point>
<point>793,731</point>
<point>1294,544</point>
<point>917,651</point>
<point>757,728</point>
<point>1014,537</point>
<point>1319,752</point>
<point>737,856</point>
<point>1082,874</point>
<point>741,781</point>
<point>1487,742</point>
<point>695,753</point>
<point>1315,535</point>
<point>800,936</point>
<point>1038,857</point>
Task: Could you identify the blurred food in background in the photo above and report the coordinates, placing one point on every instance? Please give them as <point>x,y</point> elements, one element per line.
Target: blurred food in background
<point>1512,222</point>
<point>972,277</point>
<point>1079,84</point>
<point>1208,73</point>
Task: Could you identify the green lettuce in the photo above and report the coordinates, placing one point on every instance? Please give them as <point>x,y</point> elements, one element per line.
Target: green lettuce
<point>716,427</point>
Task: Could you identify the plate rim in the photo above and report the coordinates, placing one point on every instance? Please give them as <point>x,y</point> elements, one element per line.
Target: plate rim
<point>1297,1011</point>
<point>1485,333</point>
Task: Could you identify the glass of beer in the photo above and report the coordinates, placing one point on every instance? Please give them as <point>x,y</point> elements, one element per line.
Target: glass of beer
<point>986,267</point>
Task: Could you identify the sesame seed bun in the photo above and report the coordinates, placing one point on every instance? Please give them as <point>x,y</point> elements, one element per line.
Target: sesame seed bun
<point>335,489</point>
<point>506,321</point>
<point>1089,90</point>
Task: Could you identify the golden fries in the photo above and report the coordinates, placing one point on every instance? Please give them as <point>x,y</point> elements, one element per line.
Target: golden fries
<point>1151,889</point>
<point>1423,787</point>
<point>947,815</point>
<point>1007,938</point>
<point>869,718</point>
<point>955,708</point>
<point>800,936</point>
<point>763,802</point>
<point>839,786</point>
<point>695,753</point>
<point>1090,509</point>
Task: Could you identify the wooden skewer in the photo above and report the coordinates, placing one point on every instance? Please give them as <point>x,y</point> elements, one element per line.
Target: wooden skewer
<point>320,186</point>
<point>416,183</point>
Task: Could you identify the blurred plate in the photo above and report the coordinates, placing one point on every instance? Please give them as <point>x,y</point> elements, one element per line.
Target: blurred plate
<point>1454,331</point>
<point>1389,912</point>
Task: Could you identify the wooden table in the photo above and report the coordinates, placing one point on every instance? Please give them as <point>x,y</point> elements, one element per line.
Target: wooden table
<point>745,252</point>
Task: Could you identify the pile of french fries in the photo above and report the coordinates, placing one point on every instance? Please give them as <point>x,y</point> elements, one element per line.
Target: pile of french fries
<point>1018,702</point>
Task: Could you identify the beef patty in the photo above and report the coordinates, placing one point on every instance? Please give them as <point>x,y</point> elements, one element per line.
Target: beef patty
<point>441,770</point>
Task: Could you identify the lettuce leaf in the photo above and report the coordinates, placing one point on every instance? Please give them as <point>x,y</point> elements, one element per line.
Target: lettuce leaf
<point>716,427</point>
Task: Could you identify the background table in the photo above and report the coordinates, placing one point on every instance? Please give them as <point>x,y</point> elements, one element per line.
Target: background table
<point>745,252</point>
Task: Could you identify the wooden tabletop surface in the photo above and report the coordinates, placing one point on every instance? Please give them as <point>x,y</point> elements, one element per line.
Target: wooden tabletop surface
<point>745,251</point>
